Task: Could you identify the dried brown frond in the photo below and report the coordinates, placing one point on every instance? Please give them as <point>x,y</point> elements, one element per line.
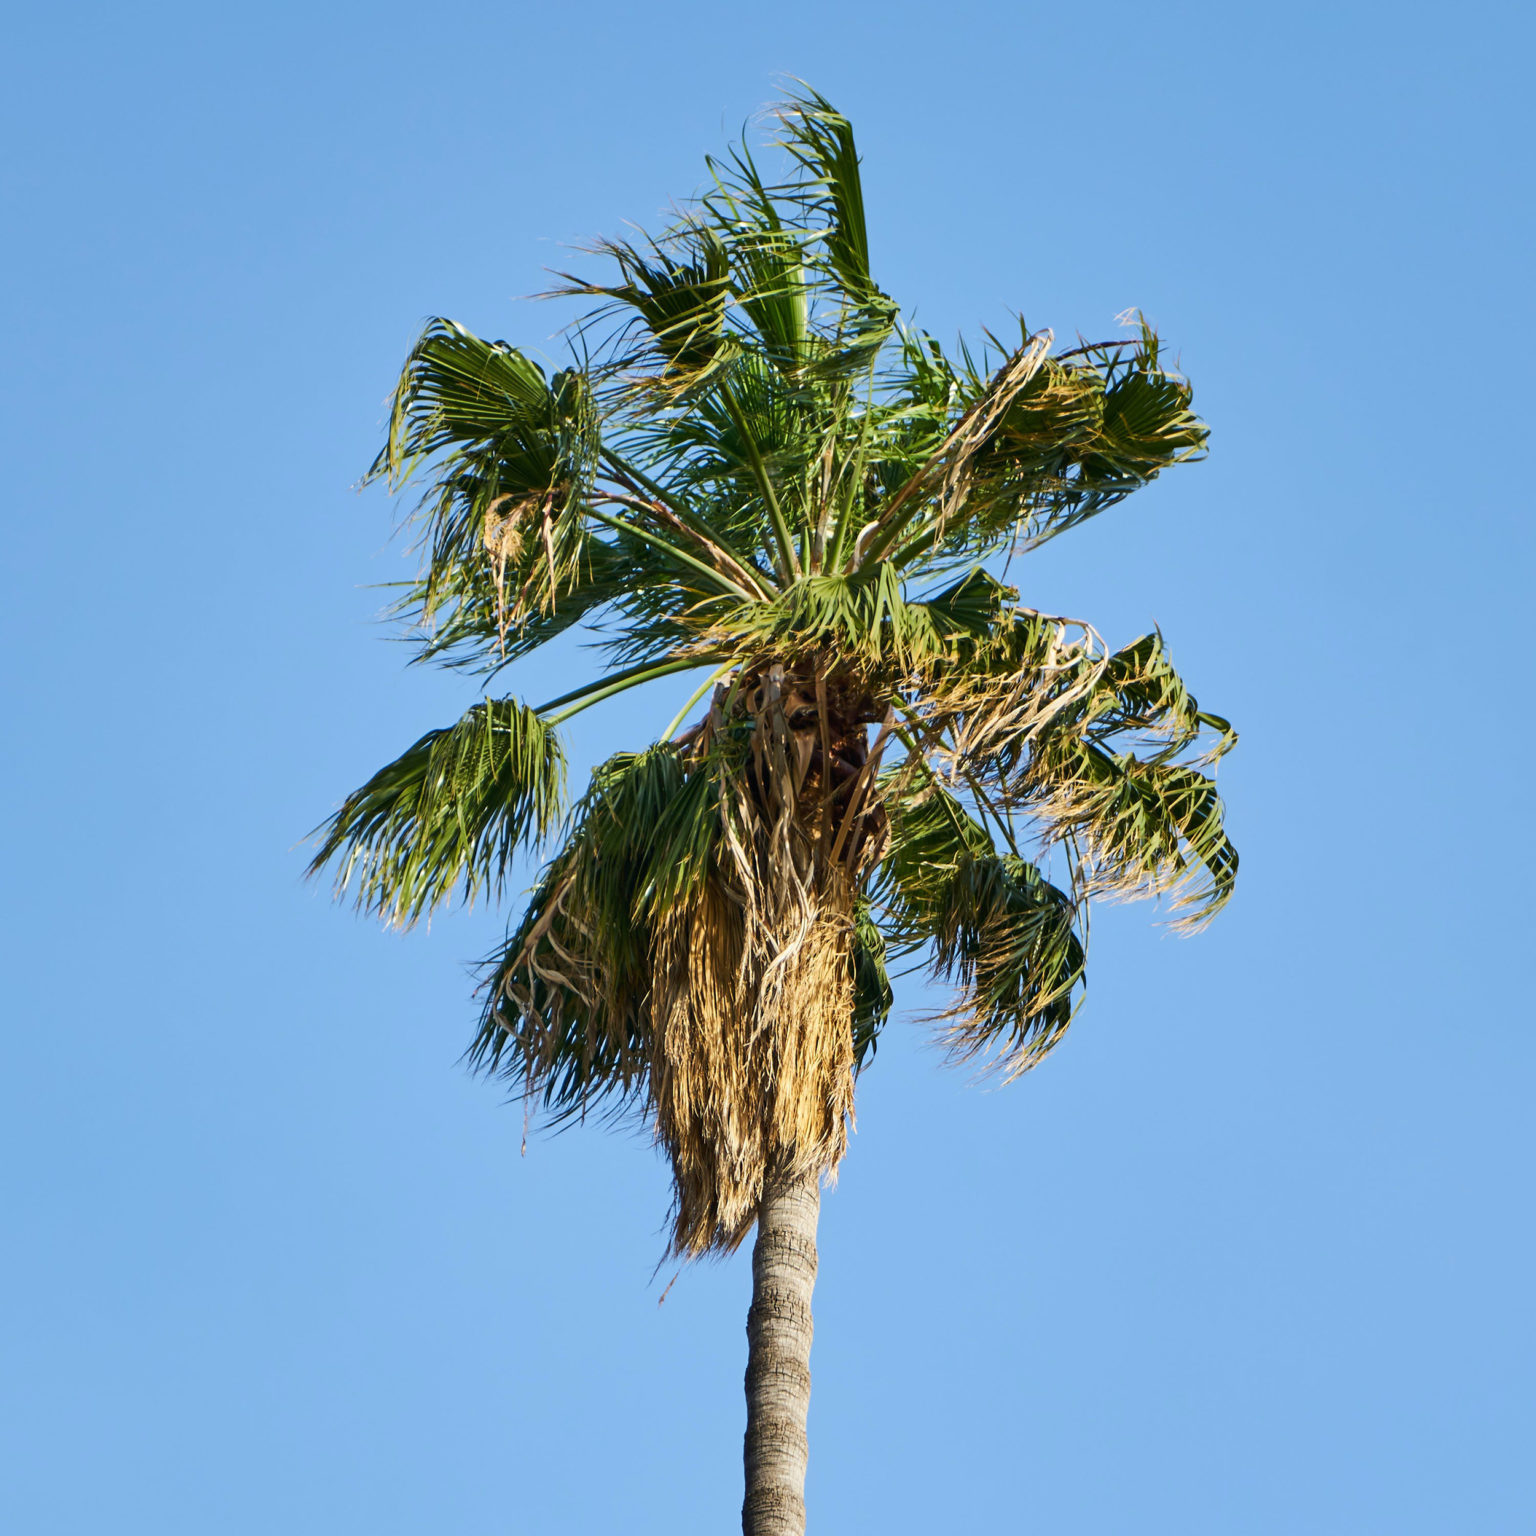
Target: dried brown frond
<point>752,1064</point>
<point>752,979</point>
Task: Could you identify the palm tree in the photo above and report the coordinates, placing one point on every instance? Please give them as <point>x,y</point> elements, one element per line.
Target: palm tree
<point>754,474</point>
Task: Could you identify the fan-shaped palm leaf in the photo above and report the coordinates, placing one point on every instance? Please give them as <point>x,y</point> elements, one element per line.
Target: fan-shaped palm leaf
<point>448,813</point>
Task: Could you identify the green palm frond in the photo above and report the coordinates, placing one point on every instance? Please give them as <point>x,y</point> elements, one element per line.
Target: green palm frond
<point>990,923</point>
<point>1083,437</point>
<point>448,813</point>
<point>1101,751</point>
<point>567,994</point>
<point>1034,444</point>
<point>461,393</point>
<point>516,457</point>
<point>820,142</point>
<point>677,292</point>
<point>1141,693</point>
<point>1020,677</point>
<point>1144,827</point>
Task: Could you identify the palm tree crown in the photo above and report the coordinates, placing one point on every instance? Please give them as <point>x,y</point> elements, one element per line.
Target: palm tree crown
<point>756,472</point>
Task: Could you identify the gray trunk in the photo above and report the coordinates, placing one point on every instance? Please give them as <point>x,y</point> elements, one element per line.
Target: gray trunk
<point>779,1357</point>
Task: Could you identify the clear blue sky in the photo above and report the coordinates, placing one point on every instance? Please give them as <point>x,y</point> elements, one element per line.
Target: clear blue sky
<point>1252,1255</point>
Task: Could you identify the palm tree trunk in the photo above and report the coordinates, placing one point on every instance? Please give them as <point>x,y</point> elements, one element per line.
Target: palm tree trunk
<point>779,1357</point>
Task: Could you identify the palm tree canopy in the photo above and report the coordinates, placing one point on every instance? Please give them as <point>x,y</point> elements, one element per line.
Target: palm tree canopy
<point>755,471</point>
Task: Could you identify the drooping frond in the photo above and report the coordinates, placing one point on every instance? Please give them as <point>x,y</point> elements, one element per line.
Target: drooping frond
<point>989,922</point>
<point>448,813</point>
<point>1144,827</point>
<point>515,455</point>
<point>1114,765</point>
<point>567,997</point>
<point>1102,750</point>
